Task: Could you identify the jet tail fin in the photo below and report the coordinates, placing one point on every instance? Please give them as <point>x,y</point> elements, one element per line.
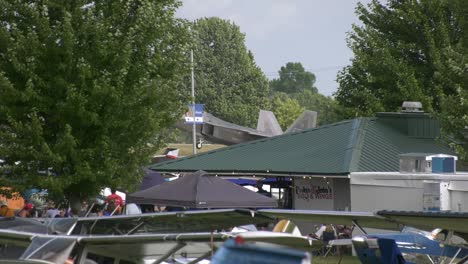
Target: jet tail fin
<point>267,123</point>
<point>308,119</point>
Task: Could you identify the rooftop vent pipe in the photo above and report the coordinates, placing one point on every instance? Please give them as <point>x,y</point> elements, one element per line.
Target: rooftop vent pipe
<point>411,107</point>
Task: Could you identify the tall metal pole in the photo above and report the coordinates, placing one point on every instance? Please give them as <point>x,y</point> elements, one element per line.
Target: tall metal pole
<point>194,126</point>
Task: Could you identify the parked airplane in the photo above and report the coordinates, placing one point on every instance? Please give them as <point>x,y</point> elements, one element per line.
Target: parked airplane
<point>409,241</point>
<point>154,248</point>
<point>446,239</point>
<point>136,238</point>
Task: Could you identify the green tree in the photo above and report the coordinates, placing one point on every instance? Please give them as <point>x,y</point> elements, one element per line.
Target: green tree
<point>227,80</point>
<point>454,109</point>
<point>85,88</point>
<point>293,78</point>
<point>404,51</point>
<point>327,108</point>
<point>286,109</point>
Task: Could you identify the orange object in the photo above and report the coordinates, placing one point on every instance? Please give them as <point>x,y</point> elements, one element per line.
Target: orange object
<point>16,201</point>
<point>6,212</point>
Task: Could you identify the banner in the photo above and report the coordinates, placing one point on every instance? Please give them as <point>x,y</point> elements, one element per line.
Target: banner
<point>194,114</point>
<point>313,194</point>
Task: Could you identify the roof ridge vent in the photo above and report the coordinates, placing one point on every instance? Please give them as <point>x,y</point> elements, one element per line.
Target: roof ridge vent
<point>411,107</point>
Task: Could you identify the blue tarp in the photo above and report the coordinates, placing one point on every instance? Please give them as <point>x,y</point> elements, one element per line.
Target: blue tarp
<point>243,181</point>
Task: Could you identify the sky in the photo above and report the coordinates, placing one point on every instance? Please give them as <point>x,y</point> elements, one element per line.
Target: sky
<point>312,32</point>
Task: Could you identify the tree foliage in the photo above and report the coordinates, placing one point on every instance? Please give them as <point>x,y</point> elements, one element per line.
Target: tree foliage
<point>286,109</point>
<point>295,87</point>
<point>454,107</point>
<point>327,108</point>
<point>85,89</point>
<point>227,80</point>
<point>404,51</point>
<point>293,78</point>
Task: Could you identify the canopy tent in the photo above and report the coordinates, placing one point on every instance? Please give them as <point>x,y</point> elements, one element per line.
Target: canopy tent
<point>199,190</point>
<point>274,182</point>
<point>151,179</point>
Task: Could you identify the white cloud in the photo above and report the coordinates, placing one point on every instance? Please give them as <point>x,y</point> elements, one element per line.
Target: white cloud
<point>279,15</point>
<point>257,19</point>
<point>193,9</point>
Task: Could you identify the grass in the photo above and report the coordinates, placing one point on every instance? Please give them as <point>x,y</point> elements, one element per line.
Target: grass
<point>335,260</point>
<point>186,149</point>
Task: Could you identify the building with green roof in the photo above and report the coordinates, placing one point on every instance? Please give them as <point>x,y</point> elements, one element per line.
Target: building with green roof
<point>321,159</point>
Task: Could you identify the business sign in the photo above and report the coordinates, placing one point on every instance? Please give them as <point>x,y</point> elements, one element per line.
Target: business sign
<point>194,114</point>
<point>313,193</point>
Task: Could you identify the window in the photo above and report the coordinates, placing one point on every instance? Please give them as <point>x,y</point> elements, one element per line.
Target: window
<point>417,165</point>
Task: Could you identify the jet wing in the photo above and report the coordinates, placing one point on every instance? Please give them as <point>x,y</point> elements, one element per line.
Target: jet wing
<point>429,220</point>
<point>363,219</point>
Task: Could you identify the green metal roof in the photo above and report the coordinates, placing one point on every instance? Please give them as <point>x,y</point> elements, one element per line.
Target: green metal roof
<point>361,144</point>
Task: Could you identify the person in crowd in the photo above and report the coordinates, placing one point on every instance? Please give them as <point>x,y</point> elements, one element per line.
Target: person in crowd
<point>147,208</point>
<point>328,233</point>
<point>52,210</point>
<point>96,211</point>
<point>110,209</point>
<point>84,209</point>
<point>26,210</point>
<point>114,202</point>
<point>6,211</point>
<point>260,190</point>
<point>61,214</point>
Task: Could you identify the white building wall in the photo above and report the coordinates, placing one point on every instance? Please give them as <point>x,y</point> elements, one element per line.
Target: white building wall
<point>368,198</point>
<point>459,196</point>
<point>372,191</point>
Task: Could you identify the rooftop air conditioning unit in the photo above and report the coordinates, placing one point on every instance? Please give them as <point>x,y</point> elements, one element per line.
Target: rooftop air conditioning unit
<point>411,107</point>
<point>427,163</point>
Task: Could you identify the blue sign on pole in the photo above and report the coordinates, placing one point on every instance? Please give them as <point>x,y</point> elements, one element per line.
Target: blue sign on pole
<point>194,114</point>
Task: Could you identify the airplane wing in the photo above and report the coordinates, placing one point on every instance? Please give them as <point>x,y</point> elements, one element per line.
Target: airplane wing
<point>171,222</point>
<point>363,219</point>
<point>21,261</point>
<point>16,238</point>
<point>154,247</point>
<point>188,245</point>
<point>284,239</point>
<point>57,248</point>
<point>430,220</point>
<point>23,224</point>
<point>32,246</point>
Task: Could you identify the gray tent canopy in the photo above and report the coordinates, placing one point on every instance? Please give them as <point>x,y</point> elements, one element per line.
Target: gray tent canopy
<point>199,190</point>
<point>150,179</point>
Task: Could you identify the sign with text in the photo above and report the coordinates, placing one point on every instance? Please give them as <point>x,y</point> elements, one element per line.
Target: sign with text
<point>314,193</point>
<point>194,114</point>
